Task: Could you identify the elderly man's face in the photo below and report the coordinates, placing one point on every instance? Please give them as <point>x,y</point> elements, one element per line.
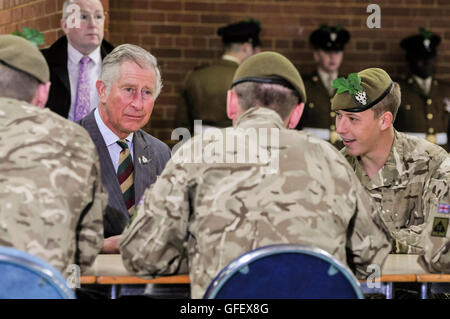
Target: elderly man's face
<point>90,34</point>
<point>129,103</point>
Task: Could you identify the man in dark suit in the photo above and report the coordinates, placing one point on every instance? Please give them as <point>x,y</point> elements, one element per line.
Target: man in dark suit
<point>425,107</point>
<point>130,159</point>
<point>328,43</point>
<point>204,93</point>
<point>84,38</point>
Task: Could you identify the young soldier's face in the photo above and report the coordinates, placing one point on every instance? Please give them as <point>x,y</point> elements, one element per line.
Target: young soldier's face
<point>329,61</point>
<point>422,67</point>
<point>360,132</point>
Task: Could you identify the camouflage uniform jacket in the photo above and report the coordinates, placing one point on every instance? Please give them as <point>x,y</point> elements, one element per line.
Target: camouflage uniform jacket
<point>215,212</point>
<point>436,237</point>
<point>51,197</point>
<point>406,187</point>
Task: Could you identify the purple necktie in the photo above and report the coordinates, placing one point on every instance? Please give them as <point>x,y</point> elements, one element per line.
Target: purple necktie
<point>82,103</point>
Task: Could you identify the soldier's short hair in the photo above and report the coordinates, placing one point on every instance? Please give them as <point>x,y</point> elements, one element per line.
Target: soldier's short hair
<point>128,53</point>
<point>16,84</point>
<point>273,96</point>
<point>390,103</point>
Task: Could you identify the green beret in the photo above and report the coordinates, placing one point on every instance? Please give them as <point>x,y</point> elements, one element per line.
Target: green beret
<point>360,91</point>
<point>273,68</point>
<point>24,56</point>
<point>422,45</point>
<point>241,32</point>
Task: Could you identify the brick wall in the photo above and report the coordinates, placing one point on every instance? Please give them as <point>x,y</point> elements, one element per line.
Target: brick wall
<point>182,33</point>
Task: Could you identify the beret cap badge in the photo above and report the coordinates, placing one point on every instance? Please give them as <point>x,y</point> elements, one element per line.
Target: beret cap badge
<point>352,84</point>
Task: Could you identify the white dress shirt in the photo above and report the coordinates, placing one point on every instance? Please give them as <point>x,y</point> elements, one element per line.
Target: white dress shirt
<point>94,68</point>
<point>111,139</point>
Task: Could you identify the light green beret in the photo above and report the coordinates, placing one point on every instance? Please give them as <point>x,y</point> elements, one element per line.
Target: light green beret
<point>24,56</point>
<point>270,67</point>
<point>360,91</point>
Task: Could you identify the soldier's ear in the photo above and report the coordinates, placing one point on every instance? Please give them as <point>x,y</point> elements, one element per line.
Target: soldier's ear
<point>386,120</point>
<point>295,115</point>
<point>316,56</point>
<point>41,95</point>
<point>232,105</point>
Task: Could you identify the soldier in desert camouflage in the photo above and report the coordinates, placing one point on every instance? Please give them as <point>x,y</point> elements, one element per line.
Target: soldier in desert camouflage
<point>214,210</point>
<point>407,177</point>
<point>51,198</point>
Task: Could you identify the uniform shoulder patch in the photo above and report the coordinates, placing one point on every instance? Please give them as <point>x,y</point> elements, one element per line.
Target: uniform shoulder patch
<point>443,208</point>
<point>440,226</point>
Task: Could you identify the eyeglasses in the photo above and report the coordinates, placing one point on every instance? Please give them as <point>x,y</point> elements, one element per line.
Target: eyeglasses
<point>85,17</point>
<point>96,17</point>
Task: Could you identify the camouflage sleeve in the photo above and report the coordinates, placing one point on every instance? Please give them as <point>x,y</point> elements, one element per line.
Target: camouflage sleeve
<point>410,240</point>
<point>90,224</point>
<point>368,240</point>
<point>435,239</point>
<point>154,243</point>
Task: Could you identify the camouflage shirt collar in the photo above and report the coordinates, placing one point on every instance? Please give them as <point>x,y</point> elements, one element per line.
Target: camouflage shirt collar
<point>260,117</point>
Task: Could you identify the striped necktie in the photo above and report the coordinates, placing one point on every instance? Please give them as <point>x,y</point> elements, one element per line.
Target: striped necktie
<point>126,176</point>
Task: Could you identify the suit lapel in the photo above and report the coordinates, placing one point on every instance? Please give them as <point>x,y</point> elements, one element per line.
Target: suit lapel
<point>58,62</point>
<point>144,166</point>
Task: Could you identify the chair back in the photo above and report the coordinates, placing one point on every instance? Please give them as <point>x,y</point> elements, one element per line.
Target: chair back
<point>24,276</point>
<point>285,271</point>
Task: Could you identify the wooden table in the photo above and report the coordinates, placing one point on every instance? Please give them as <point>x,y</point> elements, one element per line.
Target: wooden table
<point>109,270</point>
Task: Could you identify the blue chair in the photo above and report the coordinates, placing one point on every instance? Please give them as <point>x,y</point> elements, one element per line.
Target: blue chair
<point>285,271</point>
<point>23,276</point>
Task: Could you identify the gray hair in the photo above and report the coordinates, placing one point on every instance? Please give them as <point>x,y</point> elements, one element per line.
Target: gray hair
<point>128,53</point>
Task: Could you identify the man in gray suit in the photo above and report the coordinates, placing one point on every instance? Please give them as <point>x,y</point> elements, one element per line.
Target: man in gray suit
<point>130,158</point>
